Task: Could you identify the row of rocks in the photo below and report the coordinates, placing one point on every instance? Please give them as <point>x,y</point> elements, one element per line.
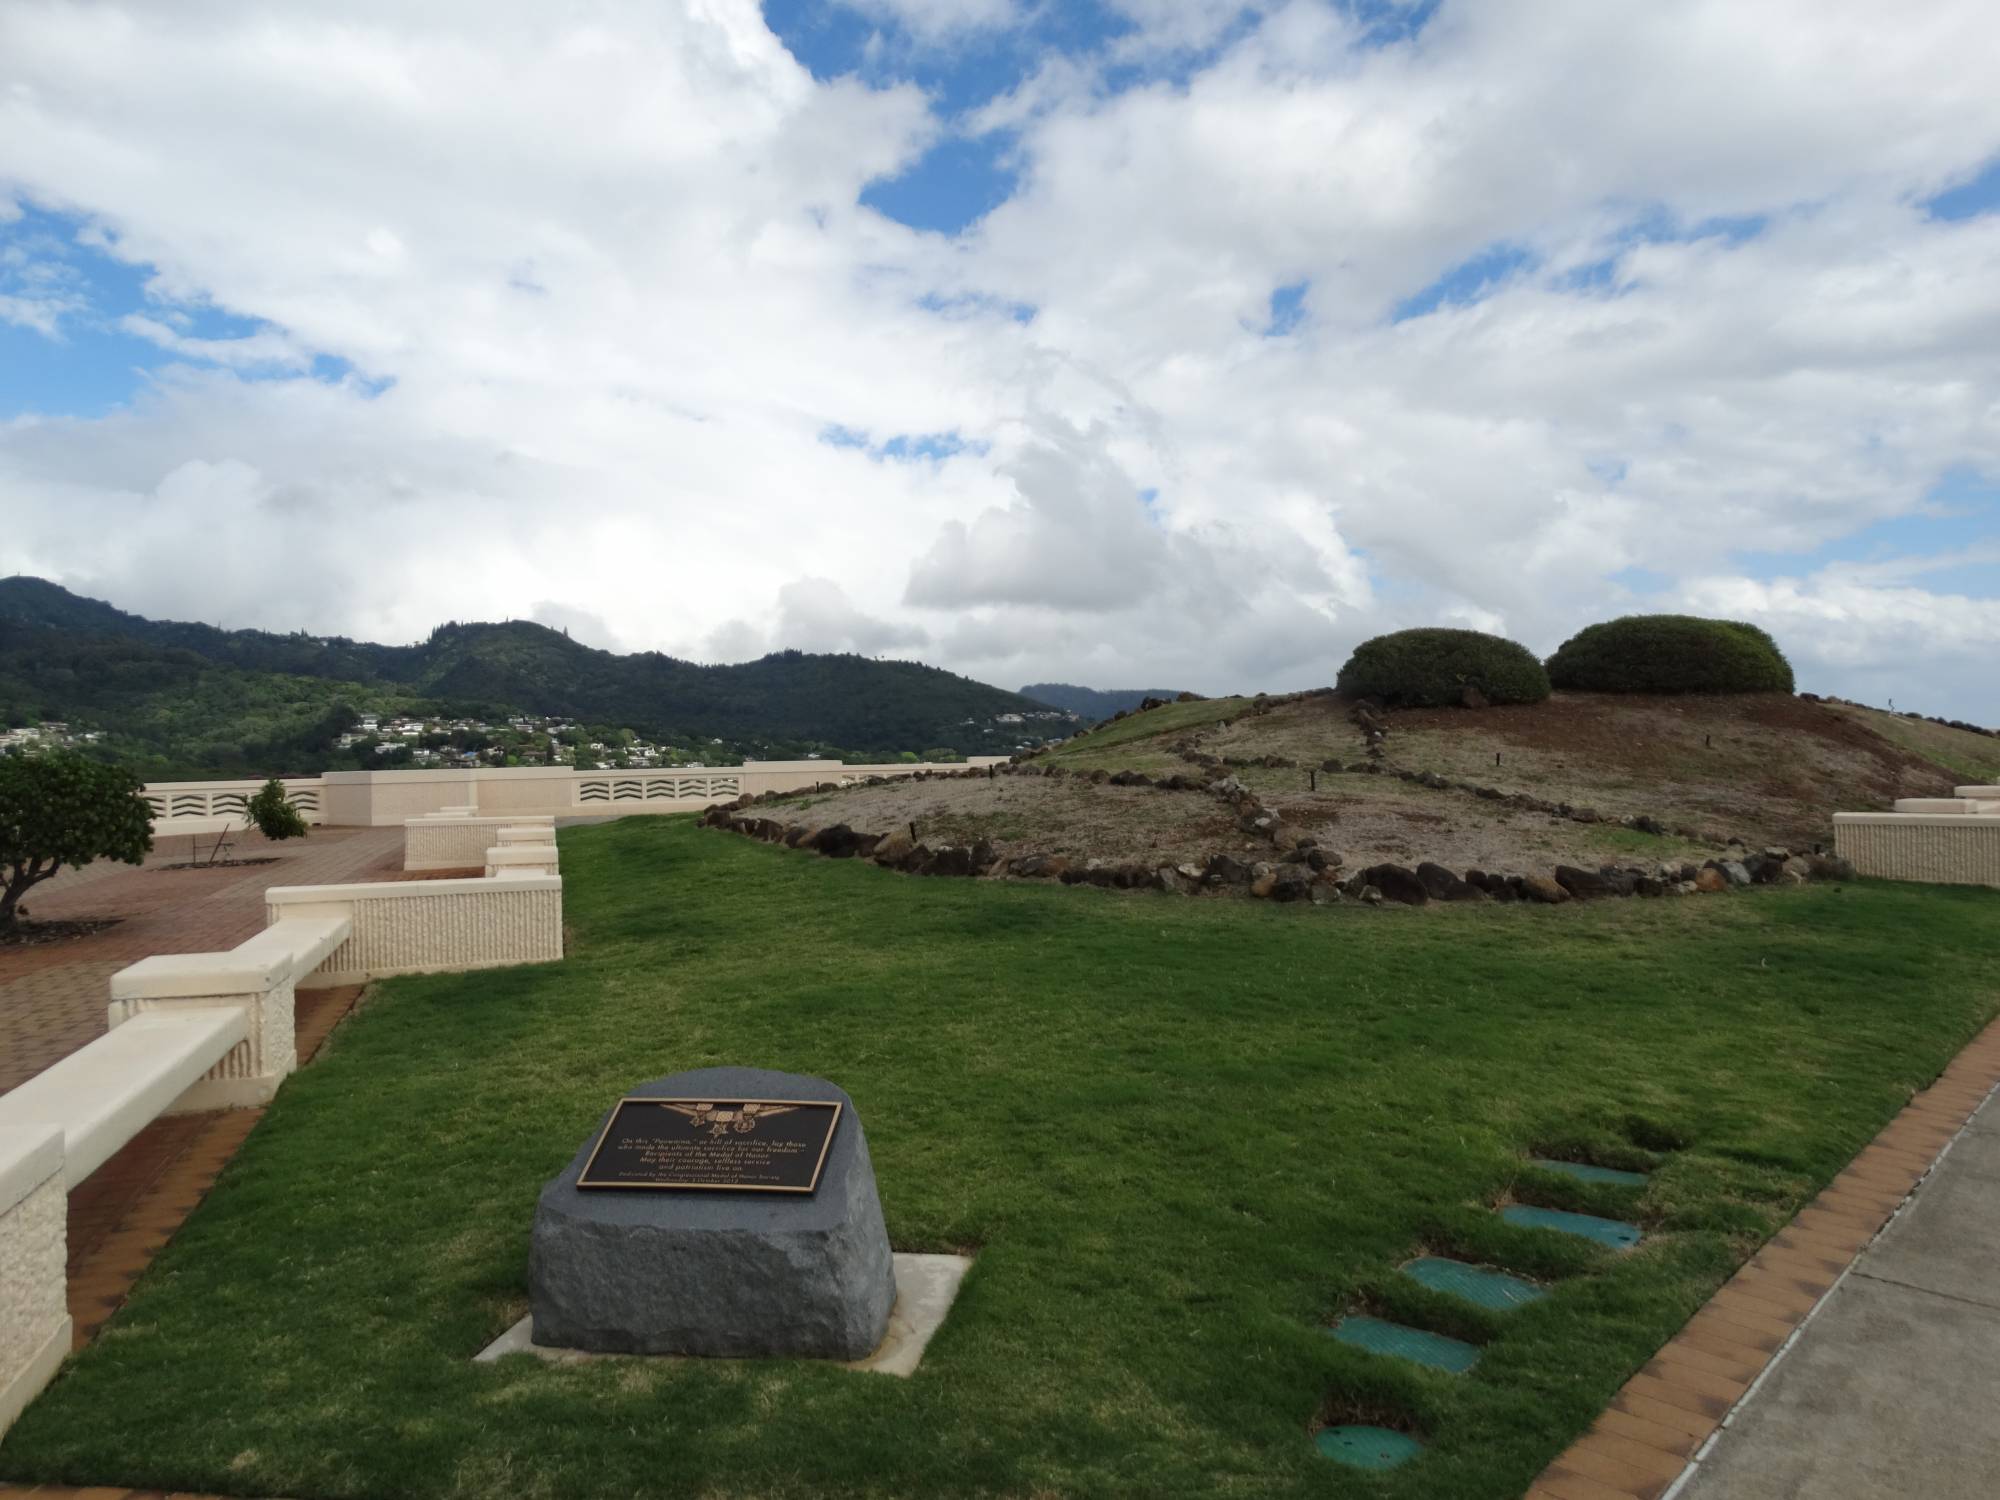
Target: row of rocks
<point>1306,872</point>
<point>1432,882</point>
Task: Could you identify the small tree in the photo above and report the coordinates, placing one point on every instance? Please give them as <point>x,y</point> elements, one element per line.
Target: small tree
<point>61,809</point>
<point>272,811</point>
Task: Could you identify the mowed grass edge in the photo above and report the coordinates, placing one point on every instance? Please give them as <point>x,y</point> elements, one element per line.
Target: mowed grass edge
<point>1180,1136</point>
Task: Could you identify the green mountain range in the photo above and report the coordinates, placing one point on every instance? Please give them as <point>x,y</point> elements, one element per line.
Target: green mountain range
<point>1093,704</point>
<point>170,696</point>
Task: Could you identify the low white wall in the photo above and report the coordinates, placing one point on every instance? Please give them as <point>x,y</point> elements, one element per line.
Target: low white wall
<point>454,843</point>
<point>34,1250</point>
<point>422,926</point>
<point>55,1130</point>
<point>1941,848</point>
<point>260,975</point>
<point>517,859</point>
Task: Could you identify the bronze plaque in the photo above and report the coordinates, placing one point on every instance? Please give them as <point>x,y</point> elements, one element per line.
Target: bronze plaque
<point>748,1145</point>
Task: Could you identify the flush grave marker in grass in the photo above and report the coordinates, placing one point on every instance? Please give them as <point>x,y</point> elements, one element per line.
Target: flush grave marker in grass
<point>1432,1350</point>
<point>1373,1448</point>
<point>1612,1232</point>
<point>1584,1171</point>
<point>1494,1290</point>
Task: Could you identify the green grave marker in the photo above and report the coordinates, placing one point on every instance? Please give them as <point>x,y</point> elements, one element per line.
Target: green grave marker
<point>1372,1448</point>
<point>1432,1350</point>
<point>1613,1232</point>
<point>1489,1289</point>
<point>1583,1171</point>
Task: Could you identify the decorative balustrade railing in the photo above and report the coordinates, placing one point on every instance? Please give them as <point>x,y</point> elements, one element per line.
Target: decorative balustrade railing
<point>374,799</point>
<point>217,799</point>
<point>629,787</point>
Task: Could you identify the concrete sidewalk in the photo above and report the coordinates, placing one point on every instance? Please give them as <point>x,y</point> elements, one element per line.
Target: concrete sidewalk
<point>1893,1386</point>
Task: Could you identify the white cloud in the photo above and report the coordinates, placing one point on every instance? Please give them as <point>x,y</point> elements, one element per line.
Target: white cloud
<point>613,272</point>
<point>264,348</point>
<point>933,20</point>
<point>581,625</point>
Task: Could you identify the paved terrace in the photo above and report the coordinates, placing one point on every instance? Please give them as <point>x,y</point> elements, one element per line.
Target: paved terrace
<point>53,995</point>
<point>53,999</point>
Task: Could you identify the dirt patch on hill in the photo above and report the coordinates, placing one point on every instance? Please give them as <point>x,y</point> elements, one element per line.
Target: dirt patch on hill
<point>1761,766</point>
<point>1029,815</point>
<point>1364,819</point>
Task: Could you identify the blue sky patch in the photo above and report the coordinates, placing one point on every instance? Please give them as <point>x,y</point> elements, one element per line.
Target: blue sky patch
<point>902,447</point>
<point>1961,518</point>
<point>961,71</point>
<point>1288,309</point>
<point>954,185</point>
<point>1655,225</point>
<point>1467,282</point>
<point>78,358</point>
<point>964,176</point>
<point>1979,195</point>
<point>976,305</point>
<point>1388,22</point>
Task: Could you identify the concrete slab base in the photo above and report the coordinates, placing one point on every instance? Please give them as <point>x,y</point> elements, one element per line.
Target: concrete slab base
<point>926,1287</point>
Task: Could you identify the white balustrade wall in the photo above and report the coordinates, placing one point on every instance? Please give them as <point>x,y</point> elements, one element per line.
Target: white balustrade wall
<point>192,1031</point>
<point>231,799</point>
<point>375,799</point>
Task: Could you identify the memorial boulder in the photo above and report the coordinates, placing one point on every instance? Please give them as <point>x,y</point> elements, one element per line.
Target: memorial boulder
<point>725,1212</point>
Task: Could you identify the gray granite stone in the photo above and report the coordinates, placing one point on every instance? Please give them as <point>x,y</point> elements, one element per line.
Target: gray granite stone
<point>730,1274</point>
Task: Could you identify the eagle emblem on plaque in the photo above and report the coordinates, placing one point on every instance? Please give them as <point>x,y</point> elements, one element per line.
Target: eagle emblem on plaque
<point>724,1121</point>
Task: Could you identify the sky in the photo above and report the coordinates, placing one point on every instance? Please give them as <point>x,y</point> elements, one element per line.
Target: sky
<point>1157,343</point>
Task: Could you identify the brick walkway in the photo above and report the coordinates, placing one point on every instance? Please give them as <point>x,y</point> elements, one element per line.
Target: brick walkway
<point>53,995</point>
<point>1643,1443</point>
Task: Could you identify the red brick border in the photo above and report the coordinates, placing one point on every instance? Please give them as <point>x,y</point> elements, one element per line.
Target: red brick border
<point>1654,1426</point>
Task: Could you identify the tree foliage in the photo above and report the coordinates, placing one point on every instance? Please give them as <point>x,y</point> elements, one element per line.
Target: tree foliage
<point>272,811</point>
<point>61,809</point>
<point>1434,667</point>
<point>1671,654</point>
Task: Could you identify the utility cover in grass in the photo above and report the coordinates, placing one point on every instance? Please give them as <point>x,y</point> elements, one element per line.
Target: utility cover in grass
<point>1583,1171</point>
<point>1432,1350</point>
<point>1367,1447</point>
<point>1489,1289</point>
<point>1613,1232</point>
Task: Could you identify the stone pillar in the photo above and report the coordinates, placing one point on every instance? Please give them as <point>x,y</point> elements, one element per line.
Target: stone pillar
<point>249,1076</point>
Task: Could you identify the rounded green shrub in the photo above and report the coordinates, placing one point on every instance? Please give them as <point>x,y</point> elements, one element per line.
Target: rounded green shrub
<point>1671,654</point>
<point>1432,667</point>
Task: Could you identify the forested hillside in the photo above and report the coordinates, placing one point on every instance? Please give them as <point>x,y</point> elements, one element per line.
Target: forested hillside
<point>175,696</point>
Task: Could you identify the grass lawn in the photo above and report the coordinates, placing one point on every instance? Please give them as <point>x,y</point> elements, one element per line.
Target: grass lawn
<point>1102,746</point>
<point>1975,757</point>
<point>1182,1136</point>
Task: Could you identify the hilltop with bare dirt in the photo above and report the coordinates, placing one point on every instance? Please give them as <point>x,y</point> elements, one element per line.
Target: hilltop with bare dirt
<point>1649,785</point>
